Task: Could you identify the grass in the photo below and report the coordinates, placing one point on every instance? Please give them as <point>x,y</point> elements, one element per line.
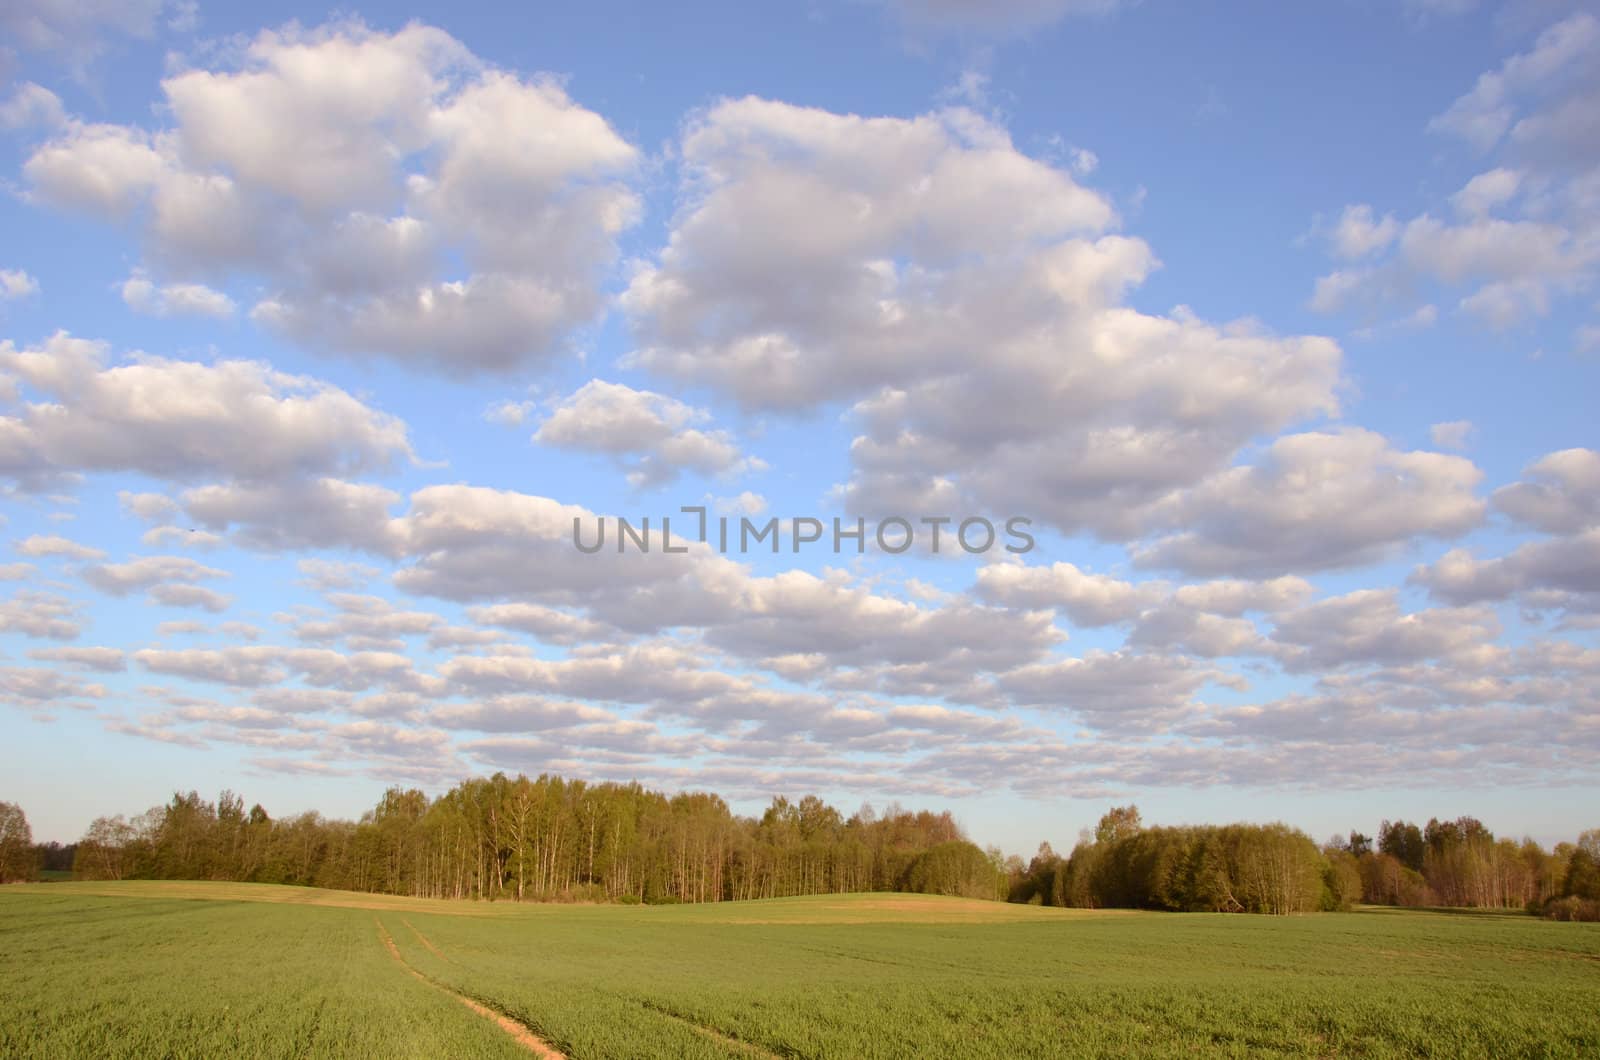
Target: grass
<point>186,969</point>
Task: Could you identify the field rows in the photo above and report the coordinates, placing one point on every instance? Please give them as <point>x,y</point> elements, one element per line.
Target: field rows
<point>200,970</point>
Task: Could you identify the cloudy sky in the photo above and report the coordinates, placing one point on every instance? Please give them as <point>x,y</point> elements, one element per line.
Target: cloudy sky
<point>319,330</point>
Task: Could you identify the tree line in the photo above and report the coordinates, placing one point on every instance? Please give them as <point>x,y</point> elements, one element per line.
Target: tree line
<point>1277,869</point>
<point>555,839</point>
<point>549,839</point>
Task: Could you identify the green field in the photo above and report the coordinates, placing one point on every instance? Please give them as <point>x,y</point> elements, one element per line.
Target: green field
<point>209,970</point>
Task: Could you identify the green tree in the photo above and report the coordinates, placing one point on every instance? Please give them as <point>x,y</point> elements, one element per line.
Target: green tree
<point>1583,876</point>
<point>18,860</point>
<point>1402,841</point>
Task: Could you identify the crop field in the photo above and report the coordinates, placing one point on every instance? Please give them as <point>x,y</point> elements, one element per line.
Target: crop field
<point>208,970</point>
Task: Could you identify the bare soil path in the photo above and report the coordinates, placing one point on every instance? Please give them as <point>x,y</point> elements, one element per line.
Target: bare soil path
<point>737,1045</point>
<point>519,1032</point>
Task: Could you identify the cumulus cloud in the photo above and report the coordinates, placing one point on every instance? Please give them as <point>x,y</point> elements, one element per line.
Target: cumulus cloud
<point>1174,628</point>
<point>1524,234</point>
<point>360,617</point>
<point>173,536</point>
<point>297,513</point>
<point>182,419</point>
<point>1234,597</point>
<point>197,596</point>
<point>55,545</point>
<point>1088,599</point>
<point>144,296</point>
<point>151,507</point>
<point>1565,565</point>
<point>798,612</point>
<point>39,614</point>
<point>828,316</point>
<point>169,580</point>
<point>38,686</point>
<point>395,195</point>
<point>964,299</point>
<point>1316,501</point>
<point>1358,234</point>
<point>653,436</point>
<point>325,574</point>
<point>1367,627</point>
<point>480,545</point>
<point>1452,435</point>
<point>255,666</point>
<point>31,106</point>
<point>1122,690</point>
<point>101,660</point>
<point>16,284</point>
<point>517,714</point>
<point>1488,112</point>
<point>548,624</point>
<point>1559,493</point>
<point>1486,192</point>
<point>80,30</point>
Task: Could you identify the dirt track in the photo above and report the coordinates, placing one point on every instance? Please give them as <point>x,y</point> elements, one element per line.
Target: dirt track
<point>518,1031</point>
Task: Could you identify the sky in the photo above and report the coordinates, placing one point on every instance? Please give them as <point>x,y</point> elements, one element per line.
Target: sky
<point>1264,338</point>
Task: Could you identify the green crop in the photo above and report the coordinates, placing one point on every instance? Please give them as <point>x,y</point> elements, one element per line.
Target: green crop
<point>208,970</point>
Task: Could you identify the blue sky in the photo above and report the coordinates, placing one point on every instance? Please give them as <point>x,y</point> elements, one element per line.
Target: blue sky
<point>318,328</point>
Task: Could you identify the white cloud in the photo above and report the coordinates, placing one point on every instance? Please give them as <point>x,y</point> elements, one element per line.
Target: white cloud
<point>1486,192</point>
<point>32,106</point>
<point>1486,114</point>
<point>1316,501</point>
<point>364,618</point>
<point>297,514</point>
<point>1088,599</point>
<point>1118,691</point>
<point>325,574</point>
<point>39,614</point>
<point>1452,435</point>
<point>1367,627</point>
<point>78,30</point>
<point>175,536</point>
<point>653,436</point>
<point>1565,569</point>
<point>965,298</point>
<point>16,284</point>
<point>181,419</point>
<point>546,623</point>
<point>101,660</point>
<point>395,195</point>
<point>746,503</point>
<point>174,299</point>
<point>1525,233</point>
<point>509,413</point>
<point>151,507</point>
<point>32,686</point>
<point>255,666</point>
<point>1559,493</point>
<point>1357,234</point>
<point>517,714</point>
<point>149,573</point>
<point>54,545</point>
<point>197,596</point>
<point>828,315</point>
<point>1234,597</point>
